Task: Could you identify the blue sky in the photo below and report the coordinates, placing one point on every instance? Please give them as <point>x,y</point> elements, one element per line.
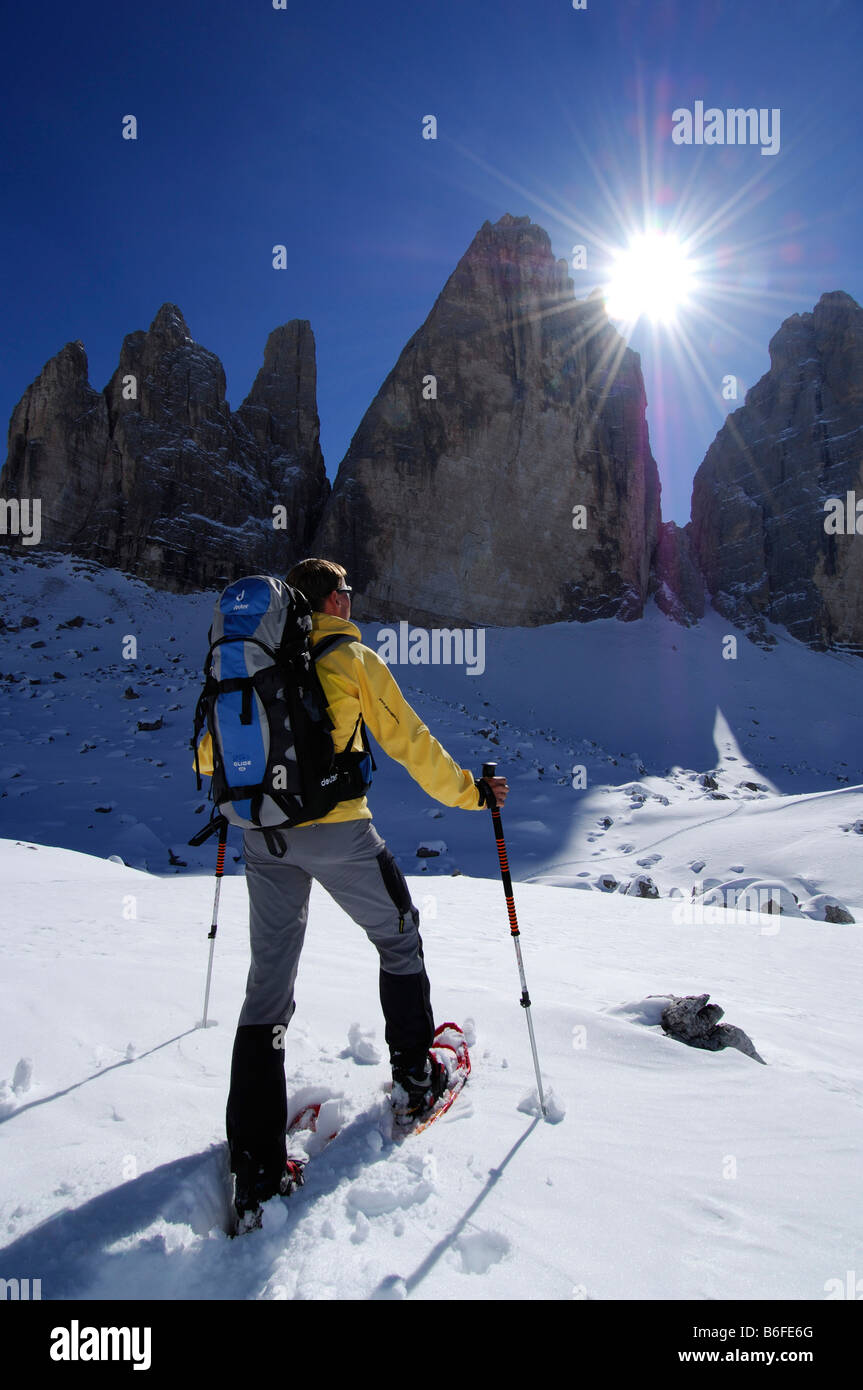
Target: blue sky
<point>303,126</point>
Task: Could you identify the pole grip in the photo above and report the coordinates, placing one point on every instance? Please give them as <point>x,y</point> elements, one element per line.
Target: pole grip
<point>488,770</point>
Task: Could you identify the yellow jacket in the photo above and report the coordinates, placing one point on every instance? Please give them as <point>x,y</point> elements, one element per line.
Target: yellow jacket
<point>356,681</point>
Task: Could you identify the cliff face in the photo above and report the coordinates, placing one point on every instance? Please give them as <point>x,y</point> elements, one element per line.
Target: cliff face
<point>502,475</point>
<point>758,501</point>
<point>156,475</point>
<point>512,406</point>
<point>676,581</point>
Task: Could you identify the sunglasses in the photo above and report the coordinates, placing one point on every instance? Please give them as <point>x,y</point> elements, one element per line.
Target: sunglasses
<point>346,590</point>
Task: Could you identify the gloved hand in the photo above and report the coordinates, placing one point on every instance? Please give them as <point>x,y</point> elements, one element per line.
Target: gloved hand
<point>493,791</point>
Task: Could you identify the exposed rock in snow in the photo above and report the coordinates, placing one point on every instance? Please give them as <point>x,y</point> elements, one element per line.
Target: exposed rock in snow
<point>690,1019</point>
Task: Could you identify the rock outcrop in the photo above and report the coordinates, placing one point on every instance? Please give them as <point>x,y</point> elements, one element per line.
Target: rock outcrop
<point>690,1019</point>
<point>513,406</point>
<point>155,475</point>
<point>758,501</point>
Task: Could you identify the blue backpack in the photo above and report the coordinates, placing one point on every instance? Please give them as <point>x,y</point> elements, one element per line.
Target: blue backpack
<point>274,761</point>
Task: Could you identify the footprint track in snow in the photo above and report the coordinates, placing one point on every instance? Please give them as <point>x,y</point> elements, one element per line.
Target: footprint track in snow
<point>479,1250</point>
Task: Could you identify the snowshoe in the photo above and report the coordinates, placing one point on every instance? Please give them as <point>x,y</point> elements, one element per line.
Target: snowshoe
<point>414,1092</point>
<point>420,1095</point>
<point>253,1187</point>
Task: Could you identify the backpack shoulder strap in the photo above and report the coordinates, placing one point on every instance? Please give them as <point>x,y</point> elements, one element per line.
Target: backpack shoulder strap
<point>327,644</point>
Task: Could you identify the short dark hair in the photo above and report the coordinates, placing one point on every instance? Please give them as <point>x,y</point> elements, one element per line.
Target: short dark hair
<point>316,579</point>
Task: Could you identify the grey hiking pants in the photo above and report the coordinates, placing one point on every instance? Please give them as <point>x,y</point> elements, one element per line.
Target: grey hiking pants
<point>351,861</point>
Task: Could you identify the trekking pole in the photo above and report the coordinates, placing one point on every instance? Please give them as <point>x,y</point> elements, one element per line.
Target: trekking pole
<point>220,869</point>
<point>488,771</point>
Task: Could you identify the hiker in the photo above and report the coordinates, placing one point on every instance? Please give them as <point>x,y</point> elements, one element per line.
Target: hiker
<point>344,852</point>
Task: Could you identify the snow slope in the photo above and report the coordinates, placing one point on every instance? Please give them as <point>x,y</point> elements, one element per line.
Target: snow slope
<point>647,705</point>
<point>674,1174</point>
<point>672,787</point>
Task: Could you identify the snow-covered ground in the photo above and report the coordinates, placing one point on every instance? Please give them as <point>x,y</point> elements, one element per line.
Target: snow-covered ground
<point>673,1173</point>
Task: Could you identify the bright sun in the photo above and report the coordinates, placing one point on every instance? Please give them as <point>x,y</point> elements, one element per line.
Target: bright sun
<point>652,277</point>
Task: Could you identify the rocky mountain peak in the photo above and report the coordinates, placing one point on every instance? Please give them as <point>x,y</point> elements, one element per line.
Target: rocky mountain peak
<point>170,325</point>
<point>281,409</point>
<point>156,475</point>
<point>513,408</point>
<point>759,526</point>
<point>507,260</point>
<point>502,474</point>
